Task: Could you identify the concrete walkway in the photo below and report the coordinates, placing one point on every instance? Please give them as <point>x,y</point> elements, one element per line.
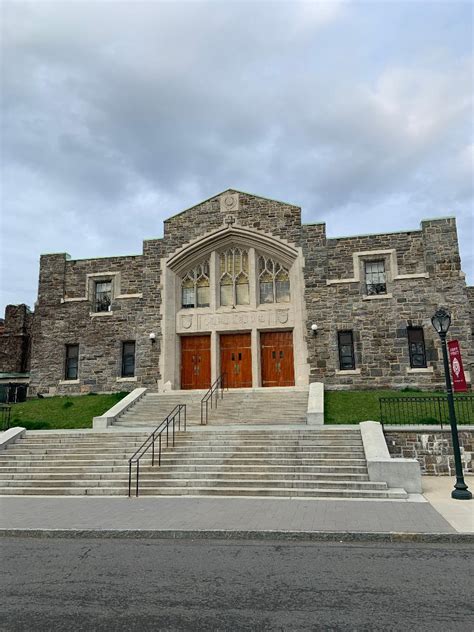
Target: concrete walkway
<point>459,513</point>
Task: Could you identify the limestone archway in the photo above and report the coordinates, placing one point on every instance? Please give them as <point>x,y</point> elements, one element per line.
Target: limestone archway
<point>217,320</point>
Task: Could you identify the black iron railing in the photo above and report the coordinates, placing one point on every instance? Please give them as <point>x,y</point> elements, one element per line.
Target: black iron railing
<point>423,410</point>
<point>212,396</point>
<point>5,416</point>
<point>173,420</point>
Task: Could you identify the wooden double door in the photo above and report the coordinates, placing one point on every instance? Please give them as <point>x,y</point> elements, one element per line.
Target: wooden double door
<point>277,358</point>
<point>236,359</point>
<point>195,362</point>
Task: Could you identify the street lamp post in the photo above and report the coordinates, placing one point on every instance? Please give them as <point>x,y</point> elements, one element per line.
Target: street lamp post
<point>441,321</point>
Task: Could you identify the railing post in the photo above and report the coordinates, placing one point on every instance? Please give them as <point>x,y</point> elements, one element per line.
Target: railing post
<point>138,474</point>
<point>129,478</point>
<point>184,417</point>
<point>159,449</point>
<point>153,449</point>
<point>173,428</point>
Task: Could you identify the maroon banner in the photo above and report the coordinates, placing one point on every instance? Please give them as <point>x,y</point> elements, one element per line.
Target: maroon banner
<point>457,370</point>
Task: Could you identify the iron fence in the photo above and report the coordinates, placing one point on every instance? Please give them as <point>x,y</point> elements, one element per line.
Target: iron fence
<point>425,410</point>
<point>5,415</point>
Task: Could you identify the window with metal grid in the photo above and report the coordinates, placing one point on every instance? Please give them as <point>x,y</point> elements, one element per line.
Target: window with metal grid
<point>375,281</point>
<point>345,341</point>
<point>128,358</point>
<point>416,347</point>
<point>71,369</point>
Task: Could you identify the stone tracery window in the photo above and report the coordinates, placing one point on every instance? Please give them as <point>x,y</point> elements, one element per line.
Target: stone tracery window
<point>195,290</point>
<point>274,281</point>
<point>234,277</point>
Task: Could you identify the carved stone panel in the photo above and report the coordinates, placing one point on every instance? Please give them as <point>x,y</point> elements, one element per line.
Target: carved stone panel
<point>235,320</point>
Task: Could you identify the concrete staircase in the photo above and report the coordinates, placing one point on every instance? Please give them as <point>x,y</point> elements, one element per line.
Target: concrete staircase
<point>238,406</point>
<point>274,462</point>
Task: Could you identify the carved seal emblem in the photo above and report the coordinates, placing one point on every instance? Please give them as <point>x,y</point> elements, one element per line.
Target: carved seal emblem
<point>282,316</point>
<point>186,321</point>
<point>229,202</point>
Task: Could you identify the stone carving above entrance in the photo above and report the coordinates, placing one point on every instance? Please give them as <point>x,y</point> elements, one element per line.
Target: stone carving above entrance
<point>230,321</point>
<point>229,202</point>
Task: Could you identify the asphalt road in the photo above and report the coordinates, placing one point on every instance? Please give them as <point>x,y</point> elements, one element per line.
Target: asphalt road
<point>107,585</point>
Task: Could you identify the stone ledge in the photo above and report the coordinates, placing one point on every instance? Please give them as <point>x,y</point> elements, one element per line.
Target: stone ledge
<point>396,472</point>
<point>111,415</point>
<point>425,369</point>
<point>10,436</point>
<point>315,411</point>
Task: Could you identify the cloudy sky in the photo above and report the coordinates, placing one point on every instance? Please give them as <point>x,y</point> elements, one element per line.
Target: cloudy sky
<point>116,115</point>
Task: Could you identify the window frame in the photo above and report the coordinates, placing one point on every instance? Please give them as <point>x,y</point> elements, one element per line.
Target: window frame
<point>272,268</point>
<point>200,271</point>
<point>237,271</point>
<point>341,333</point>
<point>375,288</point>
<point>67,358</point>
<point>123,372</point>
<point>411,353</point>
<point>98,282</point>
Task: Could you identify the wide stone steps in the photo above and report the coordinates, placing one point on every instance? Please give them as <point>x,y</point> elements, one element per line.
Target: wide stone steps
<point>301,462</point>
<point>287,492</point>
<point>263,406</point>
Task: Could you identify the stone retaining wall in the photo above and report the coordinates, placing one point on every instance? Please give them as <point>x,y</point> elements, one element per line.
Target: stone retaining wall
<point>433,450</point>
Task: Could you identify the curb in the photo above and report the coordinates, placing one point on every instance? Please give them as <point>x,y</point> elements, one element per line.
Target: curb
<point>304,536</point>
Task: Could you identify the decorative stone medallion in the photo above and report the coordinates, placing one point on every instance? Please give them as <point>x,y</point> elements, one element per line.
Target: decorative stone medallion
<point>229,202</point>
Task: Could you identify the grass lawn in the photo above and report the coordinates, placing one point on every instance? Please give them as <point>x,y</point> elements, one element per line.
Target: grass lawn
<point>62,412</point>
<point>347,407</point>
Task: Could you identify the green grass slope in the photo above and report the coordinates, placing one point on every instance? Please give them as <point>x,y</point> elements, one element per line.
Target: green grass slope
<point>62,412</point>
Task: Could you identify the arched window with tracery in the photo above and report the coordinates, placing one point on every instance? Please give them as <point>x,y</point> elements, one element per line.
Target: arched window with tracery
<point>274,281</point>
<point>195,287</point>
<point>234,277</point>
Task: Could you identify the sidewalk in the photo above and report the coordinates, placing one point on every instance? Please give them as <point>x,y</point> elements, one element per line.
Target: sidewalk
<point>244,517</point>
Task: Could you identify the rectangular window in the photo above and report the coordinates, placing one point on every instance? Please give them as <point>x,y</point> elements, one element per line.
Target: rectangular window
<point>103,296</point>
<point>187,297</point>
<point>416,347</point>
<point>203,295</point>
<point>345,341</point>
<point>71,370</point>
<point>375,277</point>
<point>128,359</point>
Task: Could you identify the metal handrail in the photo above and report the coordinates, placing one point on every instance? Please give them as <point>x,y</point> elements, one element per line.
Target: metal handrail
<point>150,443</point>
<point>217,387</point>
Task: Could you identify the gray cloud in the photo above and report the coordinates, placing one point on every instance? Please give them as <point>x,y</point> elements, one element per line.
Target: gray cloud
<point>117,115</point>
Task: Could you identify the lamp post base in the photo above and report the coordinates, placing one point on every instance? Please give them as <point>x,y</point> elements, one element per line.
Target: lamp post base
<point>461,492</point>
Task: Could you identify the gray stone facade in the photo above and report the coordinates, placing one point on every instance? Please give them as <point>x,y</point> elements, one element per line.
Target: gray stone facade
<point>15,339</point>
<point>423,271</point>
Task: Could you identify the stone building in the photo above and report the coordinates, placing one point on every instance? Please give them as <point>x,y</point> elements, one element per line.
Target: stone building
<point>15,340</point>
<point>239,285</point>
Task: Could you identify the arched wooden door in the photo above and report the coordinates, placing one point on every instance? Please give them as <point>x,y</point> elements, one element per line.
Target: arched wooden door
<point>278,366</point>
<point>195,362</point>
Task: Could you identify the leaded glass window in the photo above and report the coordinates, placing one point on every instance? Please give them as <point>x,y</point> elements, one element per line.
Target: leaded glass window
<point>195,290</point>
<point>274,281</point>
<point>234,277</point>
<point>375,277</point>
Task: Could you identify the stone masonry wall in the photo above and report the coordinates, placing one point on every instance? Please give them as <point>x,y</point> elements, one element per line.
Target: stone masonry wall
<point>15,339</point>
<point>380,324</point>
<point>64,310</point>
<point>433,450</point>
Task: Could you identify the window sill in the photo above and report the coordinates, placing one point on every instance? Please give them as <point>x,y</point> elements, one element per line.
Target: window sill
<point>425,369</point>
<point>347,371</point>
<point>127,379</point>
<point>374,297</point>
<point>66,382</point>
<point>100,314</point>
